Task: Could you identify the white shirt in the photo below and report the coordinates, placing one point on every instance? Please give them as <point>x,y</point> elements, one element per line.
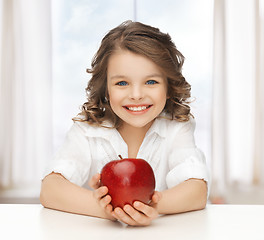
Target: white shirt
<point>168,147</point>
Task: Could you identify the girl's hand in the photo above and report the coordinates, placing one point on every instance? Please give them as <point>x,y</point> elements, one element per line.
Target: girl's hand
<point>100,194</point>
<point>140,214</point>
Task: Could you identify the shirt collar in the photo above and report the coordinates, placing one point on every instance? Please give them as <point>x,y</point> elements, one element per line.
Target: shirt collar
<point>159,127</point>
<point>97,131</point>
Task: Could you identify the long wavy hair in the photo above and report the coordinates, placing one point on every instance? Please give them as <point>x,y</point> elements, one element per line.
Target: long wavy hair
<point>149,42</point>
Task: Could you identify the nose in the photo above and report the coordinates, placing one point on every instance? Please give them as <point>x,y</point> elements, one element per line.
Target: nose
<point>136,92</point>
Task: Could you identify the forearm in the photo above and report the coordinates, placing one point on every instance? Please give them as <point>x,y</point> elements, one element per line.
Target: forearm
<point>187,196</point>
<point>60,194</point>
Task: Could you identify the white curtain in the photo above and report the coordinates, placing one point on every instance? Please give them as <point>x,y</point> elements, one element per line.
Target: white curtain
<point>25,92</point>
<point>238,95</point>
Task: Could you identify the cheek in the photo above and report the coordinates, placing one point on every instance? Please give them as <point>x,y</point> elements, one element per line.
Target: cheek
<point>163,99</point>
<point>162,96</point>
<point>114,99</point>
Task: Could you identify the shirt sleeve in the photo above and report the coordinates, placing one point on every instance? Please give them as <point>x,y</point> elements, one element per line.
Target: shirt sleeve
<point>185,159</point>
<point>73,159</point>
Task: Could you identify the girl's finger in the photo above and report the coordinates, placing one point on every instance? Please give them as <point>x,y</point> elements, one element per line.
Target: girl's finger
<point>147,210</point>
<point>156,197</point>
<point>138,217</point>
<point>115,215</point>
<point>124,217</point>
<point>95,181</point>
<point>109,209</point>
<point>100,192</point>
<point>105,201</point>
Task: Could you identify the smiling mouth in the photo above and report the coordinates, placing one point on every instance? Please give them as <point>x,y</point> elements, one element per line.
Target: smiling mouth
<point>137,108</point>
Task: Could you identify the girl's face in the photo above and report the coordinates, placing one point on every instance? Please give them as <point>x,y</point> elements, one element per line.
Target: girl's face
<point>137,88</point>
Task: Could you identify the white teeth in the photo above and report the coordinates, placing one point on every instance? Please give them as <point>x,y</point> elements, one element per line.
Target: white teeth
<point>137,109</point>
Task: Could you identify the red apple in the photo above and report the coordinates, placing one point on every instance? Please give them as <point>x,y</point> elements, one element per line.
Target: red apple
<point>128,180</point>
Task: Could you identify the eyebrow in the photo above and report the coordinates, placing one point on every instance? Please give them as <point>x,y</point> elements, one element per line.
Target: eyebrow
<point>117,76</point>
<point>148,76</point>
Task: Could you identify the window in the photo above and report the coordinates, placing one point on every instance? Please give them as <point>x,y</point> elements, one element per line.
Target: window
<point>78,27</point>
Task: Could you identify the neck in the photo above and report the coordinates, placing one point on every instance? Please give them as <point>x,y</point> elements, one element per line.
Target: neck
<point>128,130</point>
<point>133,136</point>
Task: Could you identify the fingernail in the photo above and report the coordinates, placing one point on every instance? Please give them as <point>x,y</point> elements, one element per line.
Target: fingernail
<point>126,207</point>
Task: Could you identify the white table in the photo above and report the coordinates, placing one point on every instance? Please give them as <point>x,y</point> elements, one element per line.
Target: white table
<point>32,221</point>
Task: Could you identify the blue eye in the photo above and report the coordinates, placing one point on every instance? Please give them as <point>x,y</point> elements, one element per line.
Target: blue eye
<point>122,83</point>
<point>151,82</point>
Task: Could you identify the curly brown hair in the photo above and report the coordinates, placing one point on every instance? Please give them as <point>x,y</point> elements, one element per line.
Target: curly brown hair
<point>149,42</point>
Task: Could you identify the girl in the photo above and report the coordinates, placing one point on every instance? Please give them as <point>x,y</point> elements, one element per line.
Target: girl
<point>137,107</point>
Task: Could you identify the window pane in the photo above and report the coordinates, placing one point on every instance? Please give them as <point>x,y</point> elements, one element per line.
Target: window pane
<point>80,25</point>
<point>190,24</point>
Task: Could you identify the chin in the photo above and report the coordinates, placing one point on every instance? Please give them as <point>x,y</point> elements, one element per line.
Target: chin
<point>140,124</point>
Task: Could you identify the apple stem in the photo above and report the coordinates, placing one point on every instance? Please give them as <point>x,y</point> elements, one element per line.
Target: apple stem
<point>120,157</point>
